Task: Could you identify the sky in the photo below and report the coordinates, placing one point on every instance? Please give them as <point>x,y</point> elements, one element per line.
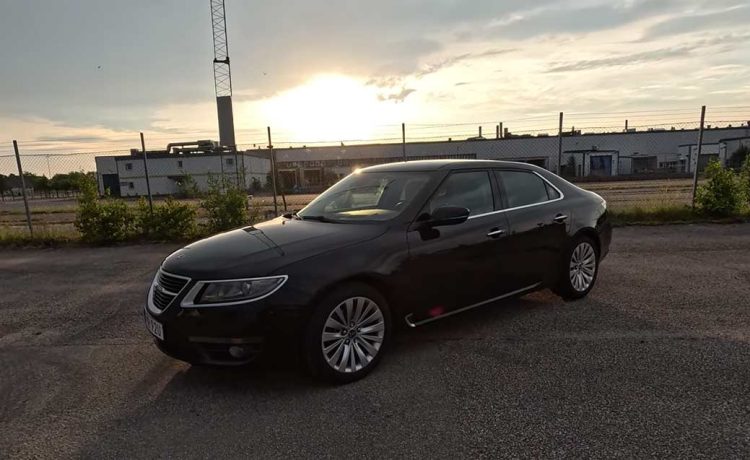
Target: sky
<point>90,74</point>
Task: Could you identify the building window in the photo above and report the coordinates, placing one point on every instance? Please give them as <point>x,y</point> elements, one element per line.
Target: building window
<point>229,161</point>
<point>128,166</point>
<point>179,163</point>
<point>131,185</point>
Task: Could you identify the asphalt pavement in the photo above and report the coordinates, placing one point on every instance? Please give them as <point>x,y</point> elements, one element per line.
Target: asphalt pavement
<point>655,362</point>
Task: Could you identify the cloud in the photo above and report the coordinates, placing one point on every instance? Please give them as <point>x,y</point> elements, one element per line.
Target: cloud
<point>71,138</point>
<point>569,18</point>
<point>397,97</point>
<point>711,20</point>
<point>644,56</point>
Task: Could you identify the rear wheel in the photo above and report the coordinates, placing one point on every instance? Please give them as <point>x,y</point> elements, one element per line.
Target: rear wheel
<point>347,334</point>
<point>579,268</point>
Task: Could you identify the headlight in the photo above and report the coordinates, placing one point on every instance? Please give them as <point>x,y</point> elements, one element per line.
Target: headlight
<point>231,292</point>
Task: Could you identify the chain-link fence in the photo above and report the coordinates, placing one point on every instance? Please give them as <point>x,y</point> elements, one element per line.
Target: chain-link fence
<point>630,158</point>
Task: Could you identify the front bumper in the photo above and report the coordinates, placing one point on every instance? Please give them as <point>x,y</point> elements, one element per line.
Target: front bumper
<point>225,335</point>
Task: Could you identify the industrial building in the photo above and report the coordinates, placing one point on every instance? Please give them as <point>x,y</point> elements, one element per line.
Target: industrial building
<point>312,168</point>
<point>606,154</point>
<point>169,173</point>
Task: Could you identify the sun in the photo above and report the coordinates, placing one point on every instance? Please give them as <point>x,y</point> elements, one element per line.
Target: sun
<point>326,108</point>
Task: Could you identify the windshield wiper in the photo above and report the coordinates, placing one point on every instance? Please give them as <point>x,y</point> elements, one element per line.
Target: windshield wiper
<point>318,218</point>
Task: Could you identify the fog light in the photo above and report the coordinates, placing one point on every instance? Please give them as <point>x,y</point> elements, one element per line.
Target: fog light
<point>237,352</point>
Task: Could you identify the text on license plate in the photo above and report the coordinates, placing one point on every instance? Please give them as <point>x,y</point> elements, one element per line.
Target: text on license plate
<point>154,326</point>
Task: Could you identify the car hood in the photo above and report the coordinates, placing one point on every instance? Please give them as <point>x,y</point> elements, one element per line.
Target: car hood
<point>262,249</point>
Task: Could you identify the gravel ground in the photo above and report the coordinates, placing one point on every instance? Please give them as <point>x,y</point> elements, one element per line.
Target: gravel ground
<point>655,362</point>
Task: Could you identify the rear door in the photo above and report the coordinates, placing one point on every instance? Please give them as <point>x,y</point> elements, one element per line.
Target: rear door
<point>451,267</point>
<point>538,223</point>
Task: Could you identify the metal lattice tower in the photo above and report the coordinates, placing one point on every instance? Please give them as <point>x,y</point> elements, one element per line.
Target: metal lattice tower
<point>222,74</point>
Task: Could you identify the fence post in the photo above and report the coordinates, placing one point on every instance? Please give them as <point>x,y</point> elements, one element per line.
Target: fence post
<point>403,140</point>
<point>698,155</point>
<point>23,189</point>
<point>559,146</point>
<point>273,172</point>
<point>148,181</point>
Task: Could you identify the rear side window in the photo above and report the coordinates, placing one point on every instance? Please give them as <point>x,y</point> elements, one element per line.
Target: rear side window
<point>525,188</point>
<point>471,190</point>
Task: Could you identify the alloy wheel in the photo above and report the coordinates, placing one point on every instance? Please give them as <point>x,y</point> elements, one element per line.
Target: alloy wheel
<point>353,334</point>
<point>582,266</point>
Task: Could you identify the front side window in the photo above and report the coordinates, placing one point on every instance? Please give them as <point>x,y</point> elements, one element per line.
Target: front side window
<point>471,190</point>
<point>524,188</point>
<point>366,196</point>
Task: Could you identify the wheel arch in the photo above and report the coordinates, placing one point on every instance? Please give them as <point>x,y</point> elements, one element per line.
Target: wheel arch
<point>373,280</point>
<point>591,233</point>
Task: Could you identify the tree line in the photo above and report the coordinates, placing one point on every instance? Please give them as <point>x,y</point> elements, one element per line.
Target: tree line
<point>43,185</point>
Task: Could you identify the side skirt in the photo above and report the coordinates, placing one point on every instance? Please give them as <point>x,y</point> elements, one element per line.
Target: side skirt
<point>411,323</point>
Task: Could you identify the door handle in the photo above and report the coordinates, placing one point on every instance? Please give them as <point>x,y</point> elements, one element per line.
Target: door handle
<point>495,232</point>
<point>560,218</point>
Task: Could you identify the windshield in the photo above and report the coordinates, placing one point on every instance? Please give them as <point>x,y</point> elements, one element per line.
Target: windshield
<point>366,196</point>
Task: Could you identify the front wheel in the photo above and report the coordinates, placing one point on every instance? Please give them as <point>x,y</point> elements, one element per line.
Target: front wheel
<point>579,269</point>
<point>347,334</point>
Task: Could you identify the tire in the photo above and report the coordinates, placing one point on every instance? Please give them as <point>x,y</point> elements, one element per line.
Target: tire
<point>577,276</point>
<point>337,352</point>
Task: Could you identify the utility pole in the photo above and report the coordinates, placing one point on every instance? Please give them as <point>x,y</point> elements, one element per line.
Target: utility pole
<point>559,146</point>
<point>698,156</point>
<point>403,140</point>
<point>23,188</point>
<point>148,181</point>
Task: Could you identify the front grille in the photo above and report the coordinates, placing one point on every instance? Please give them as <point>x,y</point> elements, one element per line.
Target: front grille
<point>166,287</point>
<point>171,283</point>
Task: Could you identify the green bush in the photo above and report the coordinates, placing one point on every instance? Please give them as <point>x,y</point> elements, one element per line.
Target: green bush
<point>187,187</point>
<point>101,221</point>
<point>225,205</point>
<point>722,195</point>
<point>169,221</point>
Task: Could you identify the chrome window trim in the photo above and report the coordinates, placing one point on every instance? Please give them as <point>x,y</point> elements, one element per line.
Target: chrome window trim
<point>189,300</point>
<point>150,303</point>
<point>562,195</point>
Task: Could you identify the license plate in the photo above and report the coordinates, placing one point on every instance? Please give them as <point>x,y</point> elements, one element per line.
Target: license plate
<point>154,326</point>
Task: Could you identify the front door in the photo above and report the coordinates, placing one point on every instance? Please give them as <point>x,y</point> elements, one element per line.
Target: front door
<point>451,267</point>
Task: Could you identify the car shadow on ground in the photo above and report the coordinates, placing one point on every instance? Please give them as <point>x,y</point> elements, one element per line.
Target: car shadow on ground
<point>280,365</point>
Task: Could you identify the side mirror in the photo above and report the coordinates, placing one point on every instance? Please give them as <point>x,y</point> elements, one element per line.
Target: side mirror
<point>448,215</point>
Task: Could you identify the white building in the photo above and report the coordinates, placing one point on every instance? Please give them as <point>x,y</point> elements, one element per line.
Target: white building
<point>311,168</point>
<point>125,175</point>
<point>607,154</point>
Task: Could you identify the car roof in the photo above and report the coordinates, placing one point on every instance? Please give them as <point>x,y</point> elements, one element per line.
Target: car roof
<point>434,165</point>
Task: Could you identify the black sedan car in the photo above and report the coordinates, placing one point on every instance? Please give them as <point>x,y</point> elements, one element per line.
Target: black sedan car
<point>403,242</point>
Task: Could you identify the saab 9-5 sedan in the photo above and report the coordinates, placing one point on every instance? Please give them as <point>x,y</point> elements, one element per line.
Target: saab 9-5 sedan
<point>408,242</point>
